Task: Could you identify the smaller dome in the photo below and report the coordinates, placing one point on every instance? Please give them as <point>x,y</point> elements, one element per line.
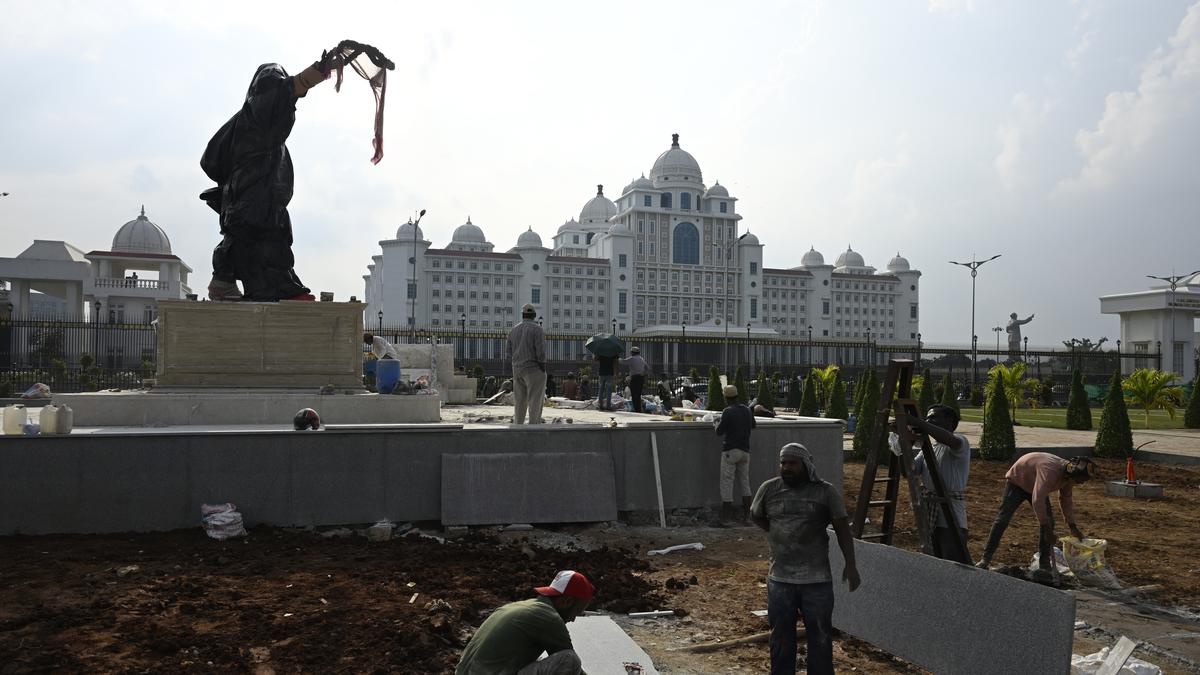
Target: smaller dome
<point>468,233</point>
<point>598,209</point>
<point>406,231</point>
<point>568,226</point>
<point>749,240</point>
<point>619,229</point>
<point>850,258</point>
<point>141,236</point>
<point>641,183</point>
<point>529,239</point>
<point>717,190</point>
<point>813,258</point>
<point>898,264</point>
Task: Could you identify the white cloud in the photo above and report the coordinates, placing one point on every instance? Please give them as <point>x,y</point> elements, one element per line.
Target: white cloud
<point>1137,123</point>
<point>1026,118</point>
<point>951,6</point>
<point>877,191</point>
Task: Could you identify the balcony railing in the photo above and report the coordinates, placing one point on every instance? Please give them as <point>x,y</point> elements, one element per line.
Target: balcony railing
<point>147,284</point>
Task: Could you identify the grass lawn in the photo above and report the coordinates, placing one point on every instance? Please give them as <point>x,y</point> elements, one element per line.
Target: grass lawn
<point>1056,418</point>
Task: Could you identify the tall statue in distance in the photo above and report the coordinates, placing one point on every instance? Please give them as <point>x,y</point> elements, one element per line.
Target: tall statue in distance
<point>1014,333</point>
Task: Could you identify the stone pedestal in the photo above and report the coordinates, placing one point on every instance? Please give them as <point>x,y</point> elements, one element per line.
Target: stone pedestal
<point>1119,488</point>
<point>304,345</point>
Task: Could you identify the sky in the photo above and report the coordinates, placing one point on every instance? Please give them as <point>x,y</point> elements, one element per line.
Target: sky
<point>1061,135</point>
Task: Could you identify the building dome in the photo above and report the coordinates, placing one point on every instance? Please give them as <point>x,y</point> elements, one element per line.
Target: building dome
<point>141,236</point>
<point>529,239</point>
<point>676,163</point>
<point>813,258</point>
<point>850,258</point>
<point>749,239</point>
<point>598,209</point>
<point>406,232</point>
<point>717,190</point>
<point>641,183</point>
<point>619,229</point>
<point>568,226</point>
<point>468,233</point>
<point>898,264</point>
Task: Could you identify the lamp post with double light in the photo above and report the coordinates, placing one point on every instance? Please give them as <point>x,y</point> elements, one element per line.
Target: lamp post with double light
<point>728,254</point>
<point>974,266</point>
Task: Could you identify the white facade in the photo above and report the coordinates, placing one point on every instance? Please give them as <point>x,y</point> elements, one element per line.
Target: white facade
<point>1160,318</point>
<point>669,252</point>
<point>124,283</point>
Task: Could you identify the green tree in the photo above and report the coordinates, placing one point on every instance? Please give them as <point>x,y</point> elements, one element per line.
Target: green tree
<point>1191,417</point>
<point>836,408</point>
<point>766,393</point>
<point>1016,386</point>
<point>694,375</point>
<point>794,396</point>
<point>948,397</point>
<point>825,378</point>
<point>1114,438</point>
<point>1151,389</point>
<point>860,392</point>
<point>1046,392</point>
<point>58,372</point>
<point>867,408</point>
<point>809,406</point>
<point>1079,415</point>
<point>998,440</point>
<point>740,382</point>
<point>925,399</point>
<point>716,400</point>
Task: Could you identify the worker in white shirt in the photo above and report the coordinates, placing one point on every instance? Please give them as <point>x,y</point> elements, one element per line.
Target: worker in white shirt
<point>381,348</point>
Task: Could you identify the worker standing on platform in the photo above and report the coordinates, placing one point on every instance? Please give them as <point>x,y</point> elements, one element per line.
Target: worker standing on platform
<point>637,376</point>
<point>735,425</point>
<point>527,346</point>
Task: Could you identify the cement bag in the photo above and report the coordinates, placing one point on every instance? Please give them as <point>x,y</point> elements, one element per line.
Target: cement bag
<point>222,521</point>
<point>1087,665</point>
<point>1085,557</point>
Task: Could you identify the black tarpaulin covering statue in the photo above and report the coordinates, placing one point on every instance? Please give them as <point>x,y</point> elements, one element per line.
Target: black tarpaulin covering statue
<point>249,161</point>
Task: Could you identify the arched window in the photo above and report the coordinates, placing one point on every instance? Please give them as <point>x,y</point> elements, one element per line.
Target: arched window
<point>664,200</point>
<point>686,245</point>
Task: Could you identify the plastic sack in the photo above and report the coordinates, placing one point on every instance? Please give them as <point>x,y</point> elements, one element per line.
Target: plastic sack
<point>1087,665</point>
<point>38,390</point>
<point>222,521</point>
<point>1085,557</point>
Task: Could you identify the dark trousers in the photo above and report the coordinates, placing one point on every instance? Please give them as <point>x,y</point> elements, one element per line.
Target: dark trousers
<point>946,548</point>
<point>1013,497</point>
<point>636,383</point>
<point>815,603</point>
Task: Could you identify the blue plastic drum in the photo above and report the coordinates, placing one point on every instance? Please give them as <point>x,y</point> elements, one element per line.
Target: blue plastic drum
<point>387,375</point>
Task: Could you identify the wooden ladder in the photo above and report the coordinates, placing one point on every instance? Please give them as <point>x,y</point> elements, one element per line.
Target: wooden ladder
<point>896,400</point>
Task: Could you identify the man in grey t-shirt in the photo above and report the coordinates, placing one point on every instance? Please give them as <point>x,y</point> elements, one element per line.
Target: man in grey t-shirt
<point>795,510</point>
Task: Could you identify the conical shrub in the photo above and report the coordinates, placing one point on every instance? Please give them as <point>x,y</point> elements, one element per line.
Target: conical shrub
<point>1114,438</point>
<point>926,399</point>
<point>837,400</point>
<point>740,382</point>
<point>716,401</point>
<point>948,394</point>
<point>1191,416</point>
<point>868,406</point>
<point>766,393</point>
<point>1079,415</point>
<point>794,392</point>
<point>998,440</point>
<point>809,407</point>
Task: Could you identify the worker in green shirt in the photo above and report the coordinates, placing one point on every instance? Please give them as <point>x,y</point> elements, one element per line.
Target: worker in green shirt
<point>514,636</point>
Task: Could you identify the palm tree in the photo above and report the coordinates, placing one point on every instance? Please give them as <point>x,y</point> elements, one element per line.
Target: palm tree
<point>1016,387</point>
<point>1151,389</point>
<point>825,378</point>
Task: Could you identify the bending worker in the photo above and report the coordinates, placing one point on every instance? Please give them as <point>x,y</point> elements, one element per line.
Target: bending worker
<point>381,348</point>
<point>1031,479</point>
<point>514,636</point>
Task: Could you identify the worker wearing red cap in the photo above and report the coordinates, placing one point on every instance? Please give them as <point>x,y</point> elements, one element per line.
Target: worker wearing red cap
<point>511,639</point>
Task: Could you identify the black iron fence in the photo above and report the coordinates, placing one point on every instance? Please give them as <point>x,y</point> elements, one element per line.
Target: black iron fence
<point>72,355</point>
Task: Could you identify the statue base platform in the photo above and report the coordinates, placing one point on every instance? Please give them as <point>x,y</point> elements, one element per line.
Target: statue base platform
<point>182,407</point>
<point>296,345</point>
<point>1139,490</point>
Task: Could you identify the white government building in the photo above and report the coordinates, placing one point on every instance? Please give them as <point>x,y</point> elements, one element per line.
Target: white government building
<point>668,257</point>
<point>1161,319</point>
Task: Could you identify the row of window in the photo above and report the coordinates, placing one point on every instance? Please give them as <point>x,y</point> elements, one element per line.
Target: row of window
<point>579,284</point>
<point>487,281</point>
<point>474,309</point>
<point>486,295</point>
<point>474,264</point>
<point>866,286</point>
<point>838,310</point>
<point>579,299</point>
<point>779,281</point>
<point>580,271</point>
<point>838,322</point>
<point>865,297</point>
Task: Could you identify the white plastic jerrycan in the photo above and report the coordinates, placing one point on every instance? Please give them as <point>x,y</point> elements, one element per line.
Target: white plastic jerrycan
<point>15,417</point>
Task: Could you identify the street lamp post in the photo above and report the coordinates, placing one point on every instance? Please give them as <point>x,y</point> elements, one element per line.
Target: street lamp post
<point>918,359</point>
<point>728,249</point>
<point>867,348</point>
<point>808,348</point>
<point>683,349</point>
<point>614,326</point>
<point>1025,341</point>
<point>412,299</point>
<point>379,329</point>
<point>462,337</point>
<point>974,361</point>
<point>1120,363</point>
<point>997,330</point>
<point>974,266</point>
<point>749,364</point>
<point>1173,281</point>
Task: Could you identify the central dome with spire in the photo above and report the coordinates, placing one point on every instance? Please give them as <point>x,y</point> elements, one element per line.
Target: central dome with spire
<point>140,235</point>
<point>676,164</point>
<point>468,232</point>
<point>598,209</point>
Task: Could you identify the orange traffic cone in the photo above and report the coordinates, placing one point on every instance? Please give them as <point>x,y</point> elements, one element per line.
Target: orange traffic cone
<point>1130,474</point>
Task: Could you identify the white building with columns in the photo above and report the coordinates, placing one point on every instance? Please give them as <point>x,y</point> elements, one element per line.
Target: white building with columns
<point>669,256</point>
<point>1159,318</point>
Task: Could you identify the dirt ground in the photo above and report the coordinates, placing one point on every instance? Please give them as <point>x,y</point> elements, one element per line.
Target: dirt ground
<point>292,601</point>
